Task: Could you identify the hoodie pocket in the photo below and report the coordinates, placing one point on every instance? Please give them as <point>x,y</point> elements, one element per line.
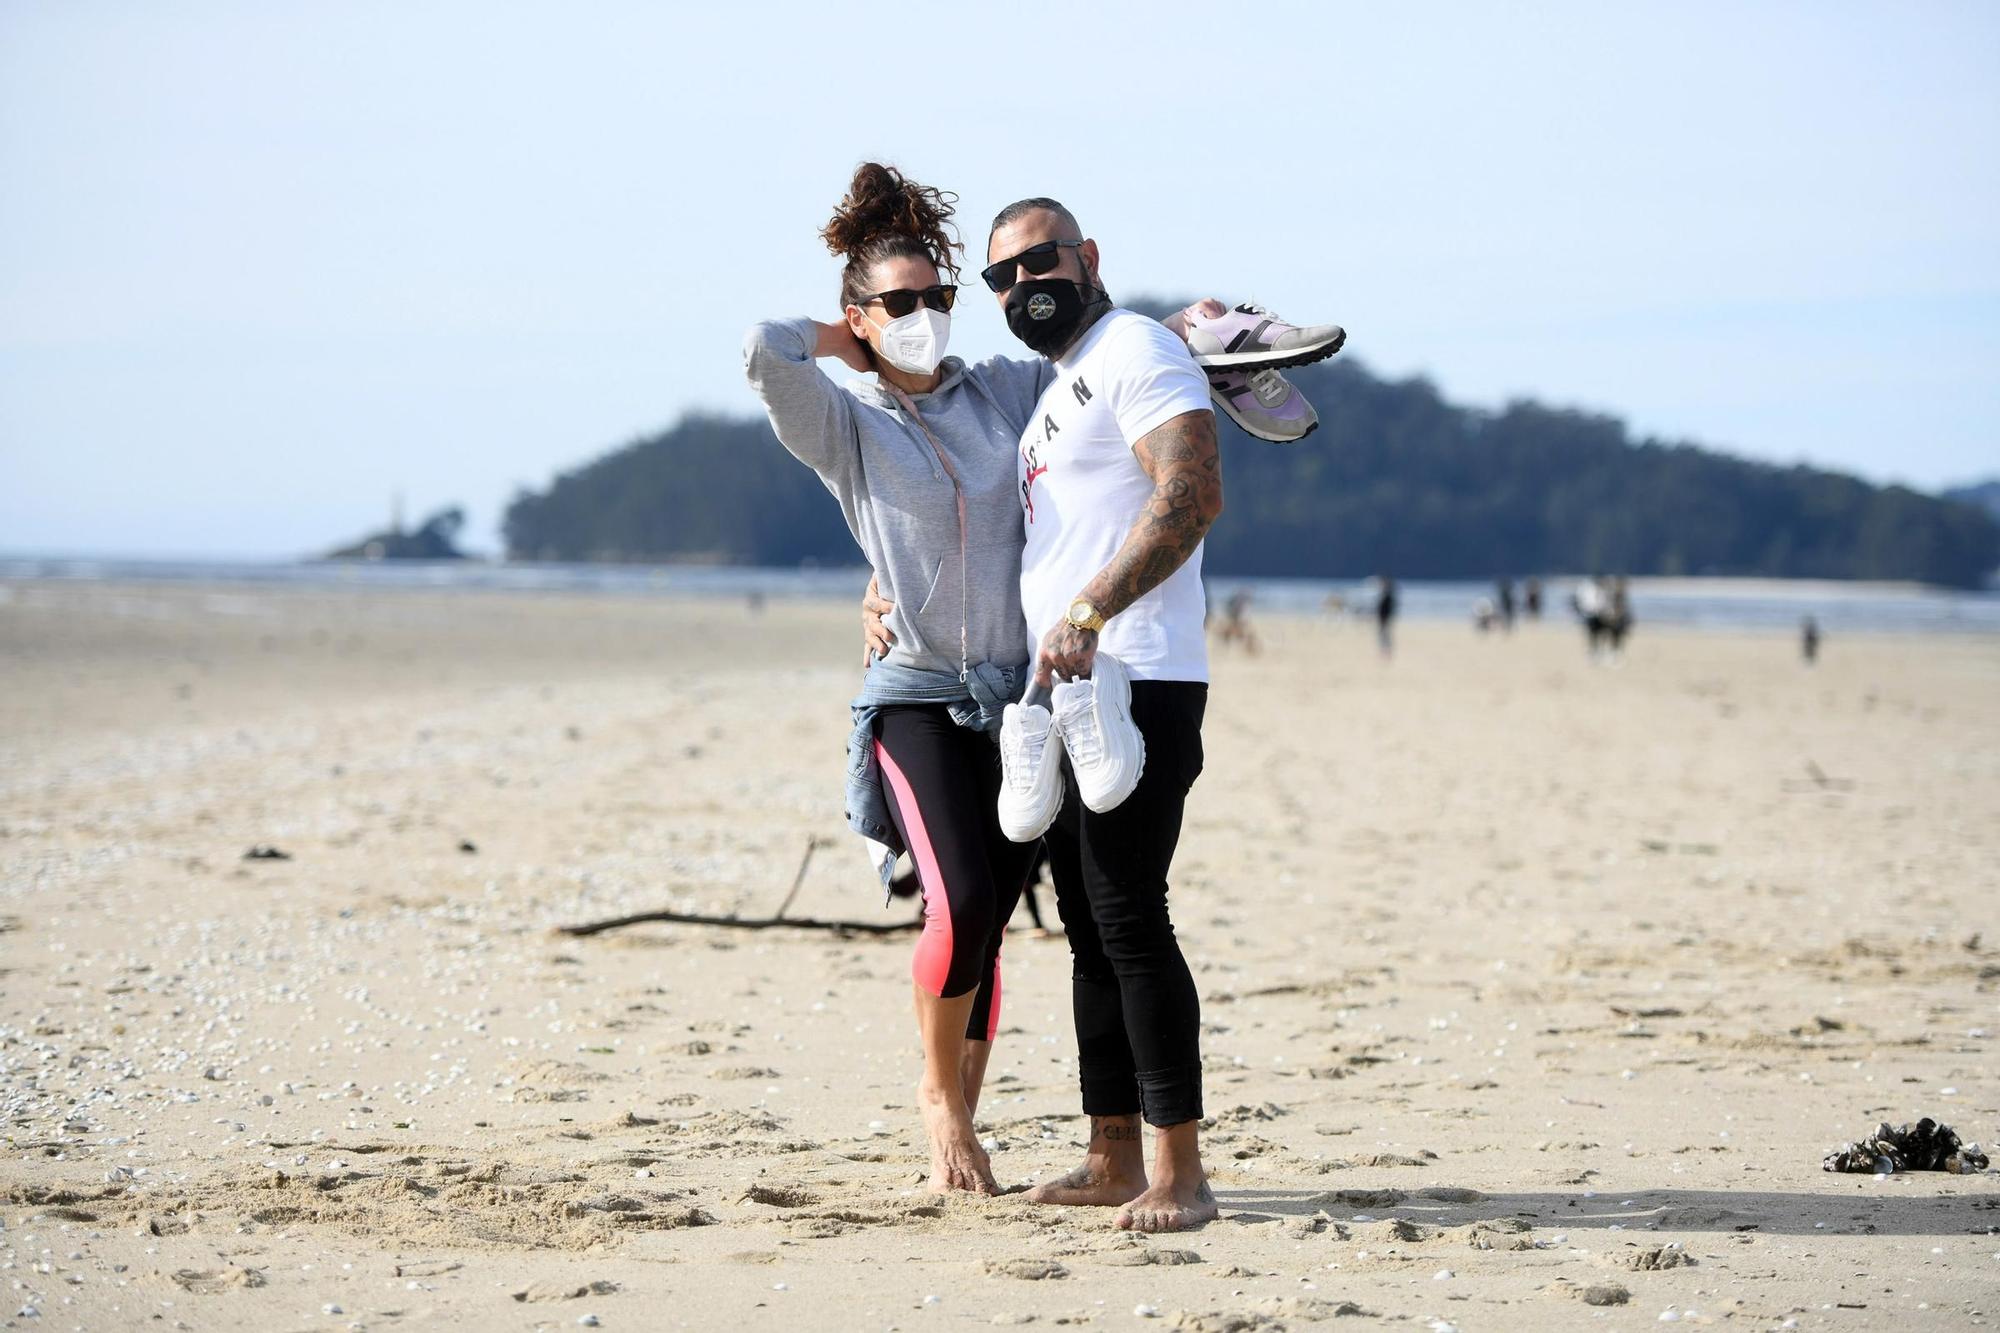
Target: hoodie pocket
<point>930,596</point>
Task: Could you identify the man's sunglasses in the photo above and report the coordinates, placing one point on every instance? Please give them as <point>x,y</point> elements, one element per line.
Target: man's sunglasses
<point>1037,259</point>
<point>904,300</point>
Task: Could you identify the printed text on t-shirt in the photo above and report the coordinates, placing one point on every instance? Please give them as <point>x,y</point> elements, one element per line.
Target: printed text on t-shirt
<point>1036,467</point>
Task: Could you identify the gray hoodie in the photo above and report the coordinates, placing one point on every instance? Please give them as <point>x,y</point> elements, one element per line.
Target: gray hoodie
<point>899,503</point>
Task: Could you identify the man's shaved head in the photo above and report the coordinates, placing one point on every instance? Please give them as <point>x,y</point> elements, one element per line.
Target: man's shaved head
<point>1020,208</point>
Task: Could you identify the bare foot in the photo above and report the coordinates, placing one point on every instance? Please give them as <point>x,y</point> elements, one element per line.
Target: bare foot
<point>1113,1170</point>
<point>1165,1208</point>
<point>1097,1183</point>
<point>957,1160</point>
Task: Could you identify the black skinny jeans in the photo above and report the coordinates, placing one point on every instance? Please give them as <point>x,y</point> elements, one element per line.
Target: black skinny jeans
<point>1138,1019</point>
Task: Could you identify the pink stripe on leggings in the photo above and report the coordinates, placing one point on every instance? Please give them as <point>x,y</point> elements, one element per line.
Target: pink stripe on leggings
<point>933,961</point>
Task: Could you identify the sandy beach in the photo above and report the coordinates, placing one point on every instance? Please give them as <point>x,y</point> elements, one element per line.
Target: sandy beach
<point>1533,991</point>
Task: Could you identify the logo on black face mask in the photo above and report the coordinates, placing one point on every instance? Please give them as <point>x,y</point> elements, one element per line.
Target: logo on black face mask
<point>1041,306</point>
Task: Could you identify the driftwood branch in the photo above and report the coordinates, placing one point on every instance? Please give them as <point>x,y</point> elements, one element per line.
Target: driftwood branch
<point>812,845</point>
<point>774,922</point>
<point>746,923</point>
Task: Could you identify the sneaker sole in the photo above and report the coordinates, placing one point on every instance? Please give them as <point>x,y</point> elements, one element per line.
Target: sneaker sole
<point>1298,356</point>
<point>1107,809</point>
<point>1034,836</point>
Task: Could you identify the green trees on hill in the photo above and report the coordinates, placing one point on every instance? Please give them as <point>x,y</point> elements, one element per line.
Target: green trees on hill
<point>717,490</point>
<point>1396,480</point>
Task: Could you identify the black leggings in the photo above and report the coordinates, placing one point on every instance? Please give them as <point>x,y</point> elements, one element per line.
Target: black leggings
<point>943,784</point>
<point>1138,1019</point>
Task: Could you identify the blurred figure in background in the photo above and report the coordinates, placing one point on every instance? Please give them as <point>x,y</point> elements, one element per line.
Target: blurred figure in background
<point>1809,640</point>
<point>1618,617</point>
<point>1531,596</point>
<point>1589,603</point>
<point>1385,614</point>
<point>1236,623</point>
<point>1503,603</point>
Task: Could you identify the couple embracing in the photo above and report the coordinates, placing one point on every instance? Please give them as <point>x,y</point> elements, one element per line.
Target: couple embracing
<point>1033,522</point>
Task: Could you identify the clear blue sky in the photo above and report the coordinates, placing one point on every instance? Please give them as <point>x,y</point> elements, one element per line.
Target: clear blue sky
<point>263,265</point>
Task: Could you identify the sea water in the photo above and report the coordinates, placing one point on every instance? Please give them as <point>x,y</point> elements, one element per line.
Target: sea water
<point>1741,604</point>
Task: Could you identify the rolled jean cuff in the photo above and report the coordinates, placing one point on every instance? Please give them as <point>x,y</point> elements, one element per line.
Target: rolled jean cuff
<point>1170,1096</point>
<point>1109,1092</point>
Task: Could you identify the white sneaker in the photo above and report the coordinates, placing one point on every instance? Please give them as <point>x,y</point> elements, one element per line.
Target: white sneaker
<point>1106,751</point>
<point>1031,783</point>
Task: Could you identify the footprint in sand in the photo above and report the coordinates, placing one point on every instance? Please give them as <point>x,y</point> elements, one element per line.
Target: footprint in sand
<point>1652,1258</point>
<point>1140,1256</point>
<point>215,1281</point>
<point>1028,1270</point>
<point>1357,1198</point>
<point>1695,1217</point>
<point>656,1212</point>
<point>564,1291</point>
<point>1500,1233</point>
<point>1596,1293</point>
<point>1275,1313</point>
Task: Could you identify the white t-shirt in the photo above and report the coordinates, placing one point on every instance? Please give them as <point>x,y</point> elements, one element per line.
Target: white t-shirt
<point>1082,489</point>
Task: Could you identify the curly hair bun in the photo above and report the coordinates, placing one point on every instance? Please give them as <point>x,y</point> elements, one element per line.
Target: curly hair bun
<point>887,212</point>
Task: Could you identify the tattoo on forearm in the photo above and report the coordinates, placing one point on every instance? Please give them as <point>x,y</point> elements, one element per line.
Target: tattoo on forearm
<point>1181,457</point>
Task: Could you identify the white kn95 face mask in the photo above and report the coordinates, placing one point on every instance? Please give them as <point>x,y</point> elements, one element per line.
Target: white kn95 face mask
<point>916,342</point>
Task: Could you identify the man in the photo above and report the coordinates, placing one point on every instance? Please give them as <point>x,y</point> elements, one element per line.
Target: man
<point>1120,480</point>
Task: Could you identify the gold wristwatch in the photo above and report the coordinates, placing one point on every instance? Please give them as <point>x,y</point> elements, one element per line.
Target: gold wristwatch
<point>1084,616</point>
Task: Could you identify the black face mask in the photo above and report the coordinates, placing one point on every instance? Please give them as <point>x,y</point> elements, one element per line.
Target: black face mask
<point>1046,312</point>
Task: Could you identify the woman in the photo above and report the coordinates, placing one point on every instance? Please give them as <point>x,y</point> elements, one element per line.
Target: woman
<point>922,462</point>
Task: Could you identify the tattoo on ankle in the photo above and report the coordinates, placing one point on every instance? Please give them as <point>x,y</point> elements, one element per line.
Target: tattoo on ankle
<point>1114,1131</point>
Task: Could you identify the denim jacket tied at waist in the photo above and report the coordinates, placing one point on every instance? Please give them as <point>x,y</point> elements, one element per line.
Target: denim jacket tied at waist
<point>974,702</point>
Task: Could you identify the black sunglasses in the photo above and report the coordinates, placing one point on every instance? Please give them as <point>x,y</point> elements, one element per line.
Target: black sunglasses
<point>1037,259</point>
<point>902,300</point>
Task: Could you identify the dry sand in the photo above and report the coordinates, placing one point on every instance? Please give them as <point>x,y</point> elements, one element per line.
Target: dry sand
<point>1526,984</point>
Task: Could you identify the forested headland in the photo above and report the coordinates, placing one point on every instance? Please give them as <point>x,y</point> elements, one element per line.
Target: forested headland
<point>1396,480</point>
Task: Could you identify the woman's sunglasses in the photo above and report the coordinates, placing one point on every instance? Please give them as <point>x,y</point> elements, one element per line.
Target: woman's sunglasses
<point>1037,259</point>
<point>904,300</point>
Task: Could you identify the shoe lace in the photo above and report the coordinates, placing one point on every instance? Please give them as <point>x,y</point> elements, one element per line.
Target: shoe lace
<point>1023,751</point>
<point>1252,308</point>
<point>1081,737</point>
<point>1270,387</point>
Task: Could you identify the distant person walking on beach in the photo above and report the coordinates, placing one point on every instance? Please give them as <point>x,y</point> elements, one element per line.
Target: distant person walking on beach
<point>1385,614</point>
<point>1531,598</point>
<point>1504,603</point>
<point>1236,623</point>
<point>1618,617</point>
<point>1591,605</point>
<point>1809,640</point>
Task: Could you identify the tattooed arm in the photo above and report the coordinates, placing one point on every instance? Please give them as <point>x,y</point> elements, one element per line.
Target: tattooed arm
<point>1180,456</point>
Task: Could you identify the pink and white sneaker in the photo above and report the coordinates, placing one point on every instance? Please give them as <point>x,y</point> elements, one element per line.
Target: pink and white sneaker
<point>1249,337</point>
<point>1264,403</point>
